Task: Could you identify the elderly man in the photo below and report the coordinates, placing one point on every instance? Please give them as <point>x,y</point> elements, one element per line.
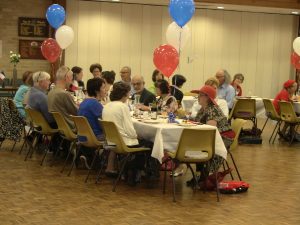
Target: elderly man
<point>37,98</point>
<point>225,90</point>
<point>146,96</point>
<point>60,100</point>
<point>125,74</point>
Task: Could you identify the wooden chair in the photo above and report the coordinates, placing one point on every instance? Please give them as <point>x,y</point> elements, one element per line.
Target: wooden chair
<point>288,115</point>
<point>42,127</point>
<point>271,114</point>
<point>199,151</point>
<point>84,130</point>
<point>112,135</point>
<point>66,134</point>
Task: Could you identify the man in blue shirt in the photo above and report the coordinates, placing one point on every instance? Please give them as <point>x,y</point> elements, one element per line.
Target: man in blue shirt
<point>225,90</point>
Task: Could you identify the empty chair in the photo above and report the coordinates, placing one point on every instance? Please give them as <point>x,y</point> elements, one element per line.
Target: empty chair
<point>244,108</point>
<point>271,114</point>
<point>190,151</point>
<point>288,115</point>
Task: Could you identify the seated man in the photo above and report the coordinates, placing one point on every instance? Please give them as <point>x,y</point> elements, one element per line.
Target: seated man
<point>146,97</point>
<point>37,98</point>
<point>60,100</point>
<point>225,90</point>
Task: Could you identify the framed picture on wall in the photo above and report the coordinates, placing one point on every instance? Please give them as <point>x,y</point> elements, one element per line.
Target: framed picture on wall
<point>33,27</point>
<point>30,49</point>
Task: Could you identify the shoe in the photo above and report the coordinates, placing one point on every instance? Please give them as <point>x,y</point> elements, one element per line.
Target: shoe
<point>112,174</point>
<point>177,173</point>
<point>84,161</point>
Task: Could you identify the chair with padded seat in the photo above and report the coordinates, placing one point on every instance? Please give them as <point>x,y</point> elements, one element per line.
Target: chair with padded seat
<point>85,131</point>
<point>66,134</point>
<point>190,151</point>
<point>41,127</point>
<point>271,114</point>
<point>113,135</point>
<point>288,115</point>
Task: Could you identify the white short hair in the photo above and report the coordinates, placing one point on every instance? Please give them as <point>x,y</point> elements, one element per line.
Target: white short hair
<point>40,75</point>
<point>62,72</point>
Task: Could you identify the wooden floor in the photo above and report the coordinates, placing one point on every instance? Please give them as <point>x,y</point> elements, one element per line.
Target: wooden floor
<point>34,194</point>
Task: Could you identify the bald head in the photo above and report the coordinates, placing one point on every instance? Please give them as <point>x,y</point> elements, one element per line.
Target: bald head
<point>125,73</point>
<point>138,83</point>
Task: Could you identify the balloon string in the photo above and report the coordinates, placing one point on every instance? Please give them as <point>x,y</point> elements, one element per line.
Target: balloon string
<point>179,49</point>
<point>60,58</point>
<point>52,71</point>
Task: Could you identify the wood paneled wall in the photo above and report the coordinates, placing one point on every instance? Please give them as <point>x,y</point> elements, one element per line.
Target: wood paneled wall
<point>290,4</point>
<point>114,34</point>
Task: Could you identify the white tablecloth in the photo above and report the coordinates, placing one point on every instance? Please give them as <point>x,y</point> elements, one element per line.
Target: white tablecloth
<point>166,136</point>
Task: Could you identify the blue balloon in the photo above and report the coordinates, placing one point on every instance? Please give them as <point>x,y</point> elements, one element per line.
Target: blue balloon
<point>56,15</point>
<point>181,11</point>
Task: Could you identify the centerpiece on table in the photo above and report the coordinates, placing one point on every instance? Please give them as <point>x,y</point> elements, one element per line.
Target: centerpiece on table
<point>15,59</point>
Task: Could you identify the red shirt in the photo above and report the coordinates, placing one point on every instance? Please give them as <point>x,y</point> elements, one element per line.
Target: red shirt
<point>283,95</point>
<point>238,90</point>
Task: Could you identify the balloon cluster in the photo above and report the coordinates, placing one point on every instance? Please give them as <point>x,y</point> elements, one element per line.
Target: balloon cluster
<point>64,35</point>
<point>295,56</point>
<point>166,57</point>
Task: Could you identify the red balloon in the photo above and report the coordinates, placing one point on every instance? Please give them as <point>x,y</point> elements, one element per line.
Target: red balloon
<point>166,59</point>
<point>51,50</point>
<point>295,60</point>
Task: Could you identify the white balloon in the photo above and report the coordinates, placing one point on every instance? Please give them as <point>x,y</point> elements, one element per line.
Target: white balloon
<point>177,36</point>
<point>296,45</point>
<point>64,36</point>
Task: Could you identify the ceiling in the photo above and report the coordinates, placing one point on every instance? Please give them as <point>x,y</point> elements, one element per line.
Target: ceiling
<point>212,6</point>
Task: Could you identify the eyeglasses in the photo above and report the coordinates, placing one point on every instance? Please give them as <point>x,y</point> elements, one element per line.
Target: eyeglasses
<point>136,84</point>
<point>201,95</point>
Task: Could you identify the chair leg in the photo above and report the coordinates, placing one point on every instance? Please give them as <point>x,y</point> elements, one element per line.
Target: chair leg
<point>56,153</point>
<point>173,180</point>
<point>236,169</point>
<point>121,171</point>
<point>270,139</point>
<point>231,175</point>
<point>46,150</point>
<point>217,186</point>
<point>165,176</point>
<point>194,177</point>
<point>31,148</point>
<point>265,124</point>
<point>66,160</point>
<point>78,151</point>
<point>92,165</point>
<point>25,139</point>
<point>276,133</point>
<point>12,149</point>
<point>105,156</point>
<point>292,130</point>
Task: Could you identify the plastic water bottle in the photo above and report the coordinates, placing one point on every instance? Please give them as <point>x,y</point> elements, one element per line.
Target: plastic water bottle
<point>80,96</point>
<point>171,117</point>
<point>52,86</point>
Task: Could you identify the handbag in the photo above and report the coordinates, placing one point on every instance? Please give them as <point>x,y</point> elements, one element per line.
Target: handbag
<point>233,187</point>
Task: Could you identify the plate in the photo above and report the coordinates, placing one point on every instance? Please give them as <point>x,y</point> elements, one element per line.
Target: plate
<point>187,124</point>
<point>150,121</point>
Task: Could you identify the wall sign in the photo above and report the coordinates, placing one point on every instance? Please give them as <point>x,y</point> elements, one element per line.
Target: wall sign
<point>30,49</point>
<point>33,27</point>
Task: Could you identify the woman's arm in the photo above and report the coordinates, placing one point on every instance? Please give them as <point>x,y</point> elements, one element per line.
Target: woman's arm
<point>212,123</point>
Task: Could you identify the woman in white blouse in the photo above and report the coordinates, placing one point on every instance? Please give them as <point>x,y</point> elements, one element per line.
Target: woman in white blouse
<point>117,111</point>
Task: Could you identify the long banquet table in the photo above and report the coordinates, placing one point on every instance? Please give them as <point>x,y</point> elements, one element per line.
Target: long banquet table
<point>165,136</point>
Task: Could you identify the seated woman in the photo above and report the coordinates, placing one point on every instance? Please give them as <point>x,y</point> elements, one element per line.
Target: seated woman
<point>177,83</point>
<point>77,79</point>
<point>92,109</point>
<point>166,102</point>
<point>156,76</point>
<point>21,96</point>
<point>109,77</point>
<point>118,112</point>
<point>238,79</point>
<point>286,94</point>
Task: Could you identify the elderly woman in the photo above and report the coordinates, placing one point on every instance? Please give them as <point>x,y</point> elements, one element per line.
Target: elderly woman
<point>238,79</point>
<point>211,114</point>
<point>109,77</point>
<point>166,101</point>
<point>20,97</point>
<point>118,112</point>
<point>92,109</point>
<point>177,83</point>
<point>96,70</point>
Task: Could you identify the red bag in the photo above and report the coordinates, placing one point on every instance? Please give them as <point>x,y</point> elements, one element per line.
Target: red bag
<point>233,187</point>
<point>169,164</point>
<point>210,183</point>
